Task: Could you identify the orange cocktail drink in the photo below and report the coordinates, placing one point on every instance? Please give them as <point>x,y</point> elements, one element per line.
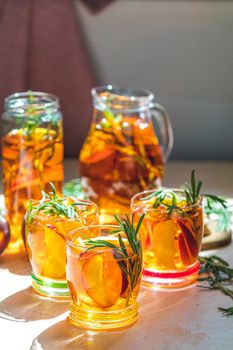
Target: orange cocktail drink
<point>125,150</point>
<point>171,235</point>
<point>104,275</point>
<point>46,233</point>
<point>119,159</point>
<point>32,152</point>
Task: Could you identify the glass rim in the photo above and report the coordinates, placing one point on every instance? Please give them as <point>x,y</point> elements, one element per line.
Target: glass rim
<point>122,90</point>
<point>10,106</point>
<point>87,202</point>
<point>164,210</point>
<point>137,98</point>
<point>88,227</point>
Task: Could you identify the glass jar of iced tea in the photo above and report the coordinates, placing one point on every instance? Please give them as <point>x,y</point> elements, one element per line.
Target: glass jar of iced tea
<point>128,143</point>
<point>32,152</point>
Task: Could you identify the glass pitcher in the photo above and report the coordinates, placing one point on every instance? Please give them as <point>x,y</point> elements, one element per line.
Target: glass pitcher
<point>127,145</point>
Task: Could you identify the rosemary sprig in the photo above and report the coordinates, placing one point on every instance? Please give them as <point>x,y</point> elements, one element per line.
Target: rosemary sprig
<point>112,124</point>
<point>74,188</point>
<point>192,190</point>
<point>51,204</point>
<point>110,119</point>
<point>223,214</point>
<point>217,273</point>
<point>226,311</point>
<point>193,193</point>
<point>168,198</point>
<point>217,267</point>
<point>130,265</point>
<point>35,119</point>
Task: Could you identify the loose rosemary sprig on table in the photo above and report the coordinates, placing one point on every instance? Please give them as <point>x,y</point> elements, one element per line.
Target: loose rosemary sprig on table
<point>217,273</point>
<point>130,265</point>
<point>51,204</point>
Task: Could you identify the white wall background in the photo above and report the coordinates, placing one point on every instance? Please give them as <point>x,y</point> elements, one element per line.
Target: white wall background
<point>180,50</point>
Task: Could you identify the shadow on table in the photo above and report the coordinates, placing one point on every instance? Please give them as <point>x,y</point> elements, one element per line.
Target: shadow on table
<point>17,264</point>
<point>64,336</point>
<point>154,303</point>
<point>26,305</point>
<point>158,300</point>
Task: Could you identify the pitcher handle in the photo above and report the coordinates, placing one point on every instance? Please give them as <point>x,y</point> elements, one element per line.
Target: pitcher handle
<point>165,134</point>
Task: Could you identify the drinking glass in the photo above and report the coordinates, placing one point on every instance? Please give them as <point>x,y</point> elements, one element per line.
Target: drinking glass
<point>46,245</point>
<point>103,281</point>
<point>32,154</point>
<point>171,239</point>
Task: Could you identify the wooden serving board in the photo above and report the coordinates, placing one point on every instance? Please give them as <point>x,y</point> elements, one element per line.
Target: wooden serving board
<point>215,238</point>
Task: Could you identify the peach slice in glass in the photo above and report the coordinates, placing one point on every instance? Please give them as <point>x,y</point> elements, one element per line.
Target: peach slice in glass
<point>54,266</point>
<point>102,278</point>
<point>163,242</point>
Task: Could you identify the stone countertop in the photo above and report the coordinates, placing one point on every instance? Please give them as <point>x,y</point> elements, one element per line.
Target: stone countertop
<point>184,319</point>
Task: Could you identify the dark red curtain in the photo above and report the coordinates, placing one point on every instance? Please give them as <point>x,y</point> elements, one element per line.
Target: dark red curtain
<point>42,49</point>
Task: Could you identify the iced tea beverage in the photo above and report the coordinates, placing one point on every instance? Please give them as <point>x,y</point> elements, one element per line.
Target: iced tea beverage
<point>46,231</point>
<point>122,154</point>
<point>171,235</point>
<point>32,152</point>
<point>104,275</point>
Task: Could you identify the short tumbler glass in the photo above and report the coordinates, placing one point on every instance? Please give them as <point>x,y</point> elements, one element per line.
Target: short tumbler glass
<point>171,240</point>
<point>103,281</point>
<point>46,246</point>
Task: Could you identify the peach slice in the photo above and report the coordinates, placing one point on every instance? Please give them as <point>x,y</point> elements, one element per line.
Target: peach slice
<point>54,266</point>
<point>100,155</point>
<point>57,156</point>
<point>163,242</point>
<point>102,279</point>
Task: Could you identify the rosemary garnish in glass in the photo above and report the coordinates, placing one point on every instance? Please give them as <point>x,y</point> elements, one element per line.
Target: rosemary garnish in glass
<point>192,193</point>
<point>51,204</point>
<point>34,118</point>
<point>217,273</point>
<point>130,264</point>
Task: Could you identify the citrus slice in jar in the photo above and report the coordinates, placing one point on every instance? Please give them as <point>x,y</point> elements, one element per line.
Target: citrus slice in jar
<point>102,279</point>
<point>163,243</point>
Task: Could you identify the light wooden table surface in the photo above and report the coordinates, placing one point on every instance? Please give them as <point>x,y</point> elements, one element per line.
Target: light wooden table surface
<point>184,319</point>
